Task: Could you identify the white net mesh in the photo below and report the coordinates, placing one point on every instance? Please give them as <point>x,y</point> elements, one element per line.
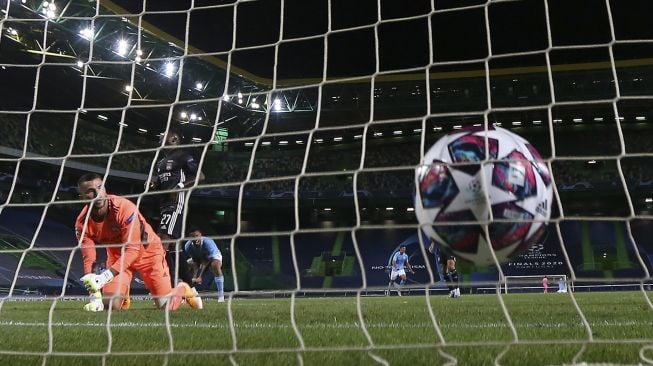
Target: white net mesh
<point>308,119</point>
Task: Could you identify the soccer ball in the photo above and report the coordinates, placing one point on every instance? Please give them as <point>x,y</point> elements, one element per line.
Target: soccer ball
<point>458,187</point>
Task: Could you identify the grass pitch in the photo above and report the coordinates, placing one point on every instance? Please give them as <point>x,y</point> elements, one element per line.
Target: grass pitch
<point>538,329</point>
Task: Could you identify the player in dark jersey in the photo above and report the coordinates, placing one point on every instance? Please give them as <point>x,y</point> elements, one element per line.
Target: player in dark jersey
<point>448,263</point>
<point>176,171</point>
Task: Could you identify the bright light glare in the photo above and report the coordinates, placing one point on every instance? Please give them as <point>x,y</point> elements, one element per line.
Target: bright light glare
<point>87,33</point>
<point>183,115</point>
<point>199,86</point>
<point>122,47</point>
<point>170,69</point>
<point>277,104</point>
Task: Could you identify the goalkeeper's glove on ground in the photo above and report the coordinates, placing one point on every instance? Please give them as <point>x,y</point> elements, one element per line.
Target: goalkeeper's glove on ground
<point>94,283</point>
<point>96,302</point>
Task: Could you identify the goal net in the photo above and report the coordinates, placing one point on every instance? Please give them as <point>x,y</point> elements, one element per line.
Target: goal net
<point>307,120</point>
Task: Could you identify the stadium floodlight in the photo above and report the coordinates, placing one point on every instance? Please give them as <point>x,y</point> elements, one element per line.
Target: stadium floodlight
<point>417,130</point>
<point>183,115</point>
<point>358,137</point>
<point>196,139</point>
<point>199,86</point>
<point>437,128</point>
<point>283,142</point>
<point>123,46</point>
<point>254,105</point>
<point>170,69</point>
<point>102,117</point>
<point>319,141</point>
<point>249,144</point>
<point>49,9</point>
<point>640,118</point>
<point>142,130</point>
<point>87,33</point>
<point>577,120</point>
<point>389,208</point>
<point>299,142</point>
<point>398,132</point>
<point>458,127</point>
<point>265,143</point>
<point>337,138</point>
<point>410,209</point>
<point>515,123</point>
<point>598,119</point>
<point>537,122</point>
<point>193,116</point>
<point>648,200</point>
<point>226,98</point>
<point>128,88</point>
<point>80,63</point>
<point>277,104</point>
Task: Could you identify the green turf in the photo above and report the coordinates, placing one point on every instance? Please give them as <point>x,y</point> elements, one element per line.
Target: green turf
<point>472,330</point>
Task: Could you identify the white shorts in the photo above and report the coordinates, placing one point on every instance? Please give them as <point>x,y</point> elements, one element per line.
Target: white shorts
<point>396,273</point>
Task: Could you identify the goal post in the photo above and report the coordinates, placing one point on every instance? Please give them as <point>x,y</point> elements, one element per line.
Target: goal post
<point>534,283</point>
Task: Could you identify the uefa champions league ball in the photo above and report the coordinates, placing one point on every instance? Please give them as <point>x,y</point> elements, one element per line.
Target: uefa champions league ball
<point>465,186</point>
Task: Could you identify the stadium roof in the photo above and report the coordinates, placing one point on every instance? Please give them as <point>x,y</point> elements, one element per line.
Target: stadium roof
<point>137,77</point>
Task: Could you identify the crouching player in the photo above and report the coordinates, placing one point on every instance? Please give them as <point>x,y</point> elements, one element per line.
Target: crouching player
<point>202,252</point>
<point>132,246</point>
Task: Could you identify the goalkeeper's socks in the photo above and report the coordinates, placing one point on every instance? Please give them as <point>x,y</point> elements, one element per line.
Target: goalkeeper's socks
<point>219,283</point>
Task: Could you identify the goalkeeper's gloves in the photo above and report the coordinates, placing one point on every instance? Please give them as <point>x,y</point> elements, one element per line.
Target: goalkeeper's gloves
<point>96,302</point>
<point>95,282</point>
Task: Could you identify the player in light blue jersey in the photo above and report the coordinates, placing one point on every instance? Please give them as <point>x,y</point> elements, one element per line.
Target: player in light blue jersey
<point>202,252</point>
<point>398,264</point>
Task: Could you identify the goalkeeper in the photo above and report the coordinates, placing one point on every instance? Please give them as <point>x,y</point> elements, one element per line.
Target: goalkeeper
<point>132,246</point>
